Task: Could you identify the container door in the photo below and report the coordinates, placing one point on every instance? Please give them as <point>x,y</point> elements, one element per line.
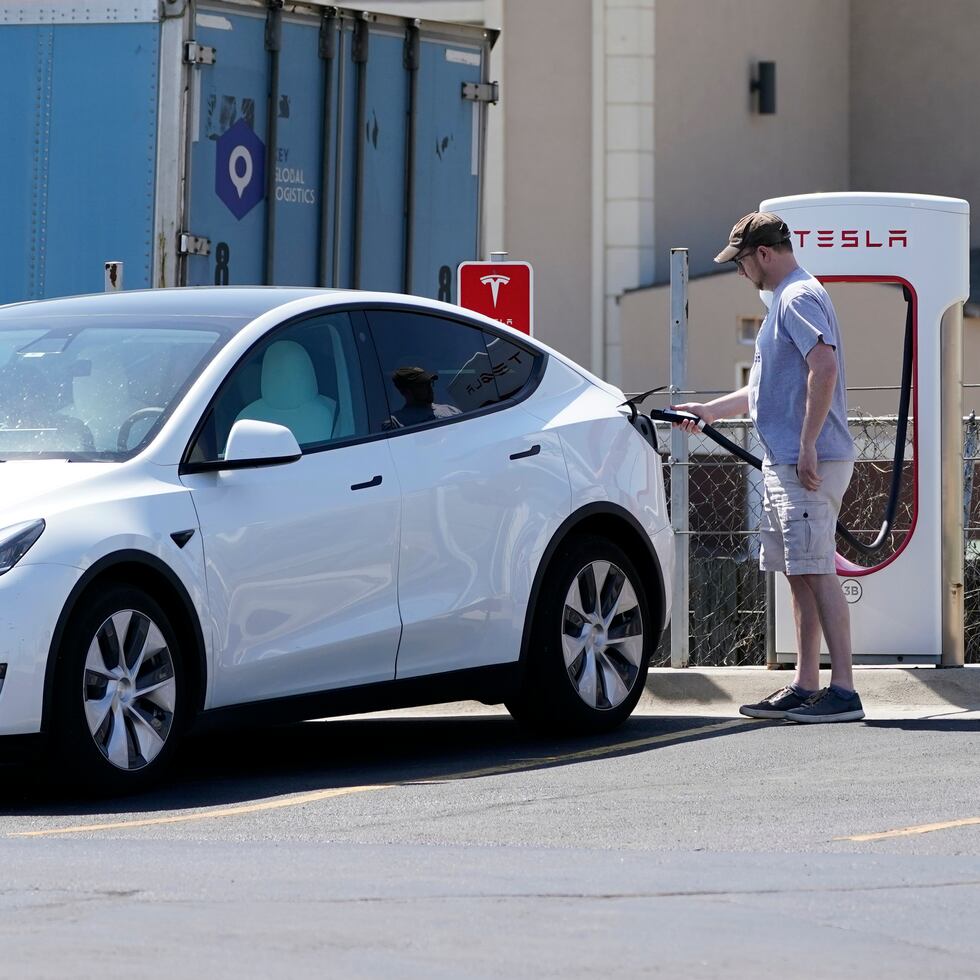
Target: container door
<point>235,151</point>
<point>228,127</point>
<point>447,167</point>
<point>356,201</point>
<point>77,164</point>
<point>297,154</point>
<point>380,207</point>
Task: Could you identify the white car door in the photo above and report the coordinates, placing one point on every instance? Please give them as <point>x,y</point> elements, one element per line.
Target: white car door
<point>483,488</point>
<point>300,557</point>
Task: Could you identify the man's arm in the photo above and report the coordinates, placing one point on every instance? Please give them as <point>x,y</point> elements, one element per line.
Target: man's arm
<point>820,383</point>
<point>728,406</point>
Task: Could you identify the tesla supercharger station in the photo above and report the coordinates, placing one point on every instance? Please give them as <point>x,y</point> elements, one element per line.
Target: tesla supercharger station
<point>909,607</point>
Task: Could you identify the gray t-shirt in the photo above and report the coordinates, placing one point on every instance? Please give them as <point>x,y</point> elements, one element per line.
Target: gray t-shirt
<point>800,316</point>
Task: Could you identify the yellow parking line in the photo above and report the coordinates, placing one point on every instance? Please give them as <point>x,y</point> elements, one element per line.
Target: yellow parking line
<point>326,794</point>
<point>925,828</point>
<point>231,811</point>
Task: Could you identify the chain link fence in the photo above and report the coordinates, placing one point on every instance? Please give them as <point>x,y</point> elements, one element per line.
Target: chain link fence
<point>728,594</point>
<point>971,535</point>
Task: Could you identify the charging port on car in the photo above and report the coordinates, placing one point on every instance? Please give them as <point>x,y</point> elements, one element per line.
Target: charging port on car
<point>644,425</point>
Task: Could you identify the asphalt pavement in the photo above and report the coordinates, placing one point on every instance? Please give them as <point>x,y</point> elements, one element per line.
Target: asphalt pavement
<point>452,845</point>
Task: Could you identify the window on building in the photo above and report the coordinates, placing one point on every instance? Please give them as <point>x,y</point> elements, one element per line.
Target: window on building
<point>746,329</point>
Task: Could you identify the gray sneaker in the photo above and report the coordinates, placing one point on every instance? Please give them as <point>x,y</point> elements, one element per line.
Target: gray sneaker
<point>827,706</point>
<point>774,705</point>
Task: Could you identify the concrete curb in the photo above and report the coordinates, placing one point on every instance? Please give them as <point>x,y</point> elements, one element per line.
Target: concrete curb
<point>715,690</point>
<point>886,692</point>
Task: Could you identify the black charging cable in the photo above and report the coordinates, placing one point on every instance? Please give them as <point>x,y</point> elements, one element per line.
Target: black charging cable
<point>675,417</point>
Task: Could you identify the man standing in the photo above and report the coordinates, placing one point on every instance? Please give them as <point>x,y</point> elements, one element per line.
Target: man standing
<point>796,398</point>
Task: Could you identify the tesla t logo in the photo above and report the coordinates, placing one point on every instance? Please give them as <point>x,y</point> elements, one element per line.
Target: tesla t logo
<point>494,282</point>
<point>510,298</point>
<point>855,238</point>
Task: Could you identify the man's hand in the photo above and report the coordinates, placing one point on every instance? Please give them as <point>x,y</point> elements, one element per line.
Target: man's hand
<point>703,412</point>
<point>806,468</point>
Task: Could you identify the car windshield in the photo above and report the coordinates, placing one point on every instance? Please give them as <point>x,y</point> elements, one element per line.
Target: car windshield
<point>97,388</point>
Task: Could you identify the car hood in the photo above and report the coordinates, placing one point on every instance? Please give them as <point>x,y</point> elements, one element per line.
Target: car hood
<point>30,488</point>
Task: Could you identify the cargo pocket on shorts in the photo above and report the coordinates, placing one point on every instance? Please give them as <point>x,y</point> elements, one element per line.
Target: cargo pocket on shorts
<point>805,528</point>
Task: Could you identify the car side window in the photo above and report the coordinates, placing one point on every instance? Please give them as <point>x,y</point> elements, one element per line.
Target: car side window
<point>435,368</point>
<point>306,377</point>
<point>511,364</point>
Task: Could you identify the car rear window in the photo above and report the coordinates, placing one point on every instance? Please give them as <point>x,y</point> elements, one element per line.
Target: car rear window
<point>436,368</point>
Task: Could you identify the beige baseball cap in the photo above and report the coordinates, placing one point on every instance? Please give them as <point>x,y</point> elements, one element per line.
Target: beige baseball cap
<point>756,228</point>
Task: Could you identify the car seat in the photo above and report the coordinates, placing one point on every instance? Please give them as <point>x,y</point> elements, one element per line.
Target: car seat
<point>290,396</point>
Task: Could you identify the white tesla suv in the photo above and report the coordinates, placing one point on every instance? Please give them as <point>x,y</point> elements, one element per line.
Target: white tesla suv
<point>293,503</point>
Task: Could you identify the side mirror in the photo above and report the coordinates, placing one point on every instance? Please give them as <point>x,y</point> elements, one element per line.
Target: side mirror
<point>253,443</point>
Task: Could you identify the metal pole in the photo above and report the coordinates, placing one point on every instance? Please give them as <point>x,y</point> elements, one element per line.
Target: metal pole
<point>411,60</point>
<point>951,449</point>
<point>679,473</point>
<point>772,661</point>
<point>338,178</point>
<point>328,55</point>
<point>273,44</point>
<point>113,276</point>
<point>359,54</point>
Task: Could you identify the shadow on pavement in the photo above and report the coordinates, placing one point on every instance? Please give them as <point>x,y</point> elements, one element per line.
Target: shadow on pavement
<point>242,766</point>
<point>952,724</point>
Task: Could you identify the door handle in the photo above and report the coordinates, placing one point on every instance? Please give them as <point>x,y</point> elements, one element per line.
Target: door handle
<point>376,482</point>
<point>533,451</point>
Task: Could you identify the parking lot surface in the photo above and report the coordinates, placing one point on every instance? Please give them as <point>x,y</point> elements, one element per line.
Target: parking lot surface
<point>680,846</point>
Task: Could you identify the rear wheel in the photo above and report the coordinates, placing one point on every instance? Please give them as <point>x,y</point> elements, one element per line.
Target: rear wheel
<point>120,696</point>
<point>591,641</point>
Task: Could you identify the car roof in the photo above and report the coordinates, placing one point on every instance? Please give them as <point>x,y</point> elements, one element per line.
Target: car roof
<point>247,303</point>
<point>244,302</point>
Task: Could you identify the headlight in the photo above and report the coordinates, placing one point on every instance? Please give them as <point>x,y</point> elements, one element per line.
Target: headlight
<point>16,541</point>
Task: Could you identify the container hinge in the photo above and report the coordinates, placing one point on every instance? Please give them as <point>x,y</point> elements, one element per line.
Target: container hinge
<point>482,92</point>
<point>199,54</point>
<point>328,34</point>
<point>273,26</point>
<point>172,8</point>
<point>411,48</point>
<point>359,41</point>
<point>188,244</point>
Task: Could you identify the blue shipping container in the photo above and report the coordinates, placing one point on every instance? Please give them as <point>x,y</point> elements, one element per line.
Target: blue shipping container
<point>233,142</point>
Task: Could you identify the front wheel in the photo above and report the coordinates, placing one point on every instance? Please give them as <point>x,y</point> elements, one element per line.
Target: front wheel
<point>590,644</point>
<point>120,696</point>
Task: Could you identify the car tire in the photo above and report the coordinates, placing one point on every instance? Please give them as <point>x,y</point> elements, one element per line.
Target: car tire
<point>590,645</point>
<point>120,699</point>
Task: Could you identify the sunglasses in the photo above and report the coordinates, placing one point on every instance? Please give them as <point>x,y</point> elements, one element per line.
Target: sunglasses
<point>739,259</point>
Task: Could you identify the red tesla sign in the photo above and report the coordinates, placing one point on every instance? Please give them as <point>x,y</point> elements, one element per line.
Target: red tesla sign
<point>503,291</point>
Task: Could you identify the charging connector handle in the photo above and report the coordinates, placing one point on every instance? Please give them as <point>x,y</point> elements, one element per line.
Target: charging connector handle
<point>675,417</point>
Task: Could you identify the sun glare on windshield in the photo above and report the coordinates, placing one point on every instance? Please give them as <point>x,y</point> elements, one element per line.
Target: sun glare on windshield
<point>94,392</point>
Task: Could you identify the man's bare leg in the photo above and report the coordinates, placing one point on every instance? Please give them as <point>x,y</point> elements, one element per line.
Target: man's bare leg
<point>806,614</point>
<point>835,620</point>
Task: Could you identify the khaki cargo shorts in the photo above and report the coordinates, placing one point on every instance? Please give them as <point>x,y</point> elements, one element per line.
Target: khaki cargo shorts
<point>798,530</point>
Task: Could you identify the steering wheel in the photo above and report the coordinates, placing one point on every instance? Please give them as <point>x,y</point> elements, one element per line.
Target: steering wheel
<point>122,442</point>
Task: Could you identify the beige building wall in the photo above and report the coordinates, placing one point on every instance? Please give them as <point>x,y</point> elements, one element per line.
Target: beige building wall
<point>547,163</point>
<point>872,320</point>
<point>626,127</point>
<point>716,159</point>
<point>915,84</point>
